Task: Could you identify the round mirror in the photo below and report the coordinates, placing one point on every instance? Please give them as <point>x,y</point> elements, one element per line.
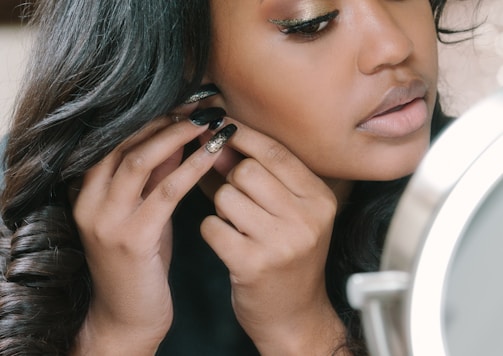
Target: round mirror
<point>438,292</point>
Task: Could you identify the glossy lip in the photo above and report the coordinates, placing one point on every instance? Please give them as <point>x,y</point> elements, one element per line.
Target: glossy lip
<point>402,111</point>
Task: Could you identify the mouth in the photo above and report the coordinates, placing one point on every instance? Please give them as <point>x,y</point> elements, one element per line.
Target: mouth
<point>392,110</point>
<point>402,112</point>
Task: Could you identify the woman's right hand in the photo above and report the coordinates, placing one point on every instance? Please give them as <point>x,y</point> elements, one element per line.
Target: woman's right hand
<point>123,213</point>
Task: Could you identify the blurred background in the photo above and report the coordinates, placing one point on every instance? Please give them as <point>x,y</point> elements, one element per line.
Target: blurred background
<point>469,70</point>
<point>14,48</point>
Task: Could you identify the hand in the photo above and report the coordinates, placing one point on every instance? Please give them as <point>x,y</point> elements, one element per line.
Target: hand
<point>273,230</point>
<point>123,213</point>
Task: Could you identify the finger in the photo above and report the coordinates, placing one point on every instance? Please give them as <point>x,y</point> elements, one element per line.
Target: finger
<point>97,179</point>
<point>251,178</point>
<point>228,159</point>
<point>276,158</point>
<point>94,187</point>
<point>138,163</point>
<point>243,213</point>
<point>163,199</point>
<point>228,243</point>
<point>87,194</point>
<point>161,171</point>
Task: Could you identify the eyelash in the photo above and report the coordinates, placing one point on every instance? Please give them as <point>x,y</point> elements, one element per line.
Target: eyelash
<point>302,27</point>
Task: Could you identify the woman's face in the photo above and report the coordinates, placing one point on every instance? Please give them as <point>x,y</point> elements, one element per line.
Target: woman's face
<point>347,85</point>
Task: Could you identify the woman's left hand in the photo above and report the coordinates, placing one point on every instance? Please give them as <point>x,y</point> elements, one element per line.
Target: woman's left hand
<point>273,230</point>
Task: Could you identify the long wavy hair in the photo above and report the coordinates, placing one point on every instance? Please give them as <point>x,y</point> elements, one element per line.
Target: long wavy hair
<point>100,71</point>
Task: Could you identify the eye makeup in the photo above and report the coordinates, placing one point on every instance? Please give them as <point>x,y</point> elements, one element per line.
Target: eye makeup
<point>302,20</point>
<point>307,26</point>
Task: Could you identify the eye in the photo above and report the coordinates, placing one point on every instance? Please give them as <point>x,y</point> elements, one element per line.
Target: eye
<point>306,28</point>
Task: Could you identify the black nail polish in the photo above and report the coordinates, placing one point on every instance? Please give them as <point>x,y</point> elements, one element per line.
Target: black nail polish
<point>206,116</point>
<point>202,93</point>
<point>216,143</point>
<point>215,125</point>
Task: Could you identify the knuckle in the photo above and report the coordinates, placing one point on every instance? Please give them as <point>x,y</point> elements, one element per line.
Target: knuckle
<point>244,169</point>
<point>84,217</point>
<point>329,204</point>
<point>312,241</point>
<point>222,194</point>
<point>324,203</point>
<point>135,162</point>
<point>286,255</point>
<point>99,232</point>
<point>79,214</point>
<point>109,236</point>
<point>197,162</point>
<point>168,191</point>
<point>277,153</point>
<point>179,128</point>
<point>208,225</point>
<point>309,233</point>
<point>251,275</point>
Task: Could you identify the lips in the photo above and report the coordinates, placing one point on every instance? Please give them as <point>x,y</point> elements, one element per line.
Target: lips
<point>402,112</point>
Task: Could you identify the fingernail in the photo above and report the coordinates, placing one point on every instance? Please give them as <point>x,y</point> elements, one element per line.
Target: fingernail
<point>216,143</point>
<point>206,116</point>
<point>215,125</point>
<point>204,92</point>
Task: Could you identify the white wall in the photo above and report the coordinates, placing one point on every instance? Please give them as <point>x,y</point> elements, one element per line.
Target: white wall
<point>14,45</point>
<point>472,69</point>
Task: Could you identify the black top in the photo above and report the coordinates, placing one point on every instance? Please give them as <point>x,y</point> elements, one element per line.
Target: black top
<point>204,321</point>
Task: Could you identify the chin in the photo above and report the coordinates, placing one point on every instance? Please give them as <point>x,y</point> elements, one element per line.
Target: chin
<point>372,173</point>
<point>399,163</point>
<point>388,172</point>
<point>390,175</point>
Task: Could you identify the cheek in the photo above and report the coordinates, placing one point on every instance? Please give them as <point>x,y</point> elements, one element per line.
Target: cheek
<point>305,102</point>
<point>277,87</point>
<point>295,102</point>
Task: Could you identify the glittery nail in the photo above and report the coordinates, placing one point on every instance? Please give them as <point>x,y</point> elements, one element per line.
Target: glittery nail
<point>216,143</point>
<point>204,92</point>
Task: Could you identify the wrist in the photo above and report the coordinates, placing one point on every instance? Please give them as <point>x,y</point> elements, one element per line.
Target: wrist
<point>318,332</point>
<point>109,339</point>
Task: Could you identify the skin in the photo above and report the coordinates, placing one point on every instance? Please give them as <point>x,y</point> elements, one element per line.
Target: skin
<point>280,89</point>
<point>292,88</point>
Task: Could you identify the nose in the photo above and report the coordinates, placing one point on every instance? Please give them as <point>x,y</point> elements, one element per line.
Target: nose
<point>384,43</point>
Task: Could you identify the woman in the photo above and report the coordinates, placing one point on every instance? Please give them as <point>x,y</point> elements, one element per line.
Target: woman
<point>334,103</point>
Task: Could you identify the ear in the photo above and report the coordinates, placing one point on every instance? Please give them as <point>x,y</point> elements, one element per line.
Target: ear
<point>215,100</point>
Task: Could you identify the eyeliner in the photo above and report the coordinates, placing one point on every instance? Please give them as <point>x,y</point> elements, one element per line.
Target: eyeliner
<point>292,25</point>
